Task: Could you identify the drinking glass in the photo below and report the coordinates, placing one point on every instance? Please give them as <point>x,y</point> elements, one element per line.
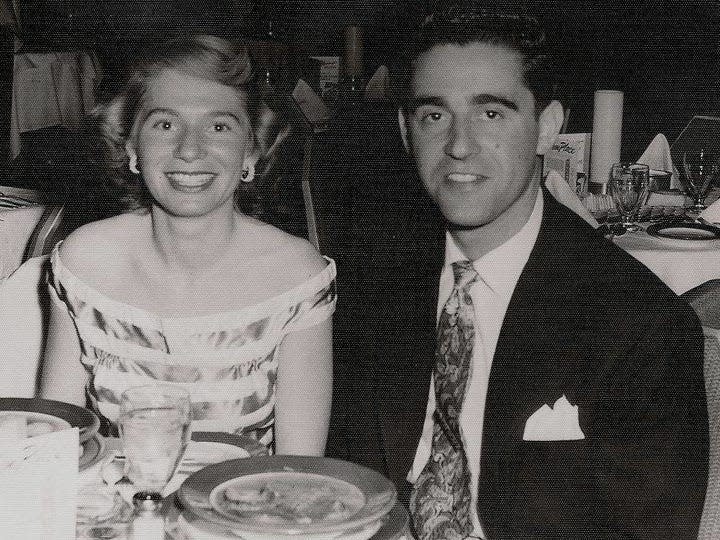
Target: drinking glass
<point>629,185</point>
<point>699,169</point>
<point>154,429</point>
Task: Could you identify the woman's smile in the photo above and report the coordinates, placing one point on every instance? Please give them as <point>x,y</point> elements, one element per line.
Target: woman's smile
<point>190,182</point>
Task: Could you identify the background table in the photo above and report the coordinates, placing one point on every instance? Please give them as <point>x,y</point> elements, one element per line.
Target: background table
<point>682,265</point>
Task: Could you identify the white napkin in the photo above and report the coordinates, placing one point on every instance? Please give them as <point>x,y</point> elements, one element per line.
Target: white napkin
<point>657,156</point>
<point>378,86</point>
<point>712,212</point>
<point>557,423</point>
<point>311,105</point>
<point>39,477</point>
<point>562,192</point>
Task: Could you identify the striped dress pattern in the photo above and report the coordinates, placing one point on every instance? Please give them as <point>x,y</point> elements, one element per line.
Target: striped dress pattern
<point>227,361</point>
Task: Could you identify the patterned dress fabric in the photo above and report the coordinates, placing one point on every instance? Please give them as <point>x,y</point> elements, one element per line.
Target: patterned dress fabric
<point>440,500</point>
<point>227,361</point>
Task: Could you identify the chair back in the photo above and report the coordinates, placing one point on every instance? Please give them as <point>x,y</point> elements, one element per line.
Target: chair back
<point>24,314</point>
<point>710,523</point>
<point>44,237</point>
<point>705,300</point>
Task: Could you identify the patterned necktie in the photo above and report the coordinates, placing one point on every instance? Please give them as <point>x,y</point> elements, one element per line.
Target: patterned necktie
<point>440,500</point>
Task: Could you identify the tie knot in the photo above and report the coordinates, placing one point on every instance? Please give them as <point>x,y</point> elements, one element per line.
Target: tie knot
<point>465,274</point>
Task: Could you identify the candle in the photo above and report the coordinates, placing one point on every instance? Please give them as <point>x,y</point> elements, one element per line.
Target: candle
<point>607,131</point>
<point>353,60</point>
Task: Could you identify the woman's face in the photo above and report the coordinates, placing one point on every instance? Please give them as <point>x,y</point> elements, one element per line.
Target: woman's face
<point>192,138</point>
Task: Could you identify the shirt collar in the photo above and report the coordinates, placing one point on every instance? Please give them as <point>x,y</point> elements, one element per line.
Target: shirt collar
<point>500,268</point>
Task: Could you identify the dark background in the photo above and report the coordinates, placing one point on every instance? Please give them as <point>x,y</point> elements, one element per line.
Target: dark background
<point>662,53</point>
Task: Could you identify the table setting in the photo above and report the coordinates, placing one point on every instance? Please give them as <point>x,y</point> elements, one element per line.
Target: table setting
<point>667,218</point>
<point>160,480</point>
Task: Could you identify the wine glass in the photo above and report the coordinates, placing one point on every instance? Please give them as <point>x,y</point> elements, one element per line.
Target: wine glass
<point>154,429</point>
<point>629,185</point>
<point>699,168</point>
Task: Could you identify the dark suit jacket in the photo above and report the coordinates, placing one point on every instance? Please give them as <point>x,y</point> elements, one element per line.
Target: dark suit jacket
<point>586,321</point>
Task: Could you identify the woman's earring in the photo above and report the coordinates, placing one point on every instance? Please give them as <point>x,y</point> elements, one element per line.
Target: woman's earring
<point>248,173</point>
<point>133,164</point>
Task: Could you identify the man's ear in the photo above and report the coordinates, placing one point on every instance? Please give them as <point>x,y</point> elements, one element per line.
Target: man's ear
<point>402,121</point>
<point>549,125</point>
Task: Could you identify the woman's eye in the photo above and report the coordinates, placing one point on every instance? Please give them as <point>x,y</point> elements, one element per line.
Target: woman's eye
<point>220,127</point>
<point>163,125</point>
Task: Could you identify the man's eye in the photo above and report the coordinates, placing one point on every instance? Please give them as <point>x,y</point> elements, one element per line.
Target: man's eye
<point>432,117</point>
<point>492,115</point>
<point>220,127</point>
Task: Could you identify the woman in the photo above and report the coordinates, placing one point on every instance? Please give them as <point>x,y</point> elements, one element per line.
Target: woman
<point>184,288</point>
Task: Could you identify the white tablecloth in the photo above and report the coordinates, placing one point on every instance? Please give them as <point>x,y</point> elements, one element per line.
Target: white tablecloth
<point>681,264</point>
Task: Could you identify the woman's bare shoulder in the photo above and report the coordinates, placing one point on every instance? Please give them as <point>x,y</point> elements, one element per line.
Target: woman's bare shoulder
<point>293,257</point>
<point>91,250</point>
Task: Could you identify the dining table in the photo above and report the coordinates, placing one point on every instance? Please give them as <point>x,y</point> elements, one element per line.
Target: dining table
<point>680,264</point>
<point>104,497</point>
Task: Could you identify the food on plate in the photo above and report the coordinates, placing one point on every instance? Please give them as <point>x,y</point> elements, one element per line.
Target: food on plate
<point>290,498</point>
<point>16,425</point>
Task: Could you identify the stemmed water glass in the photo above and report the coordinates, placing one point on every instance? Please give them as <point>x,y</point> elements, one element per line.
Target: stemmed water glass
<point>700,167</point>
<point>629,185</point>
<point>154,429</point>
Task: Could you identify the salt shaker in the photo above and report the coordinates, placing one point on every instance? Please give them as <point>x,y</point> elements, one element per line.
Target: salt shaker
<point>148,522</point>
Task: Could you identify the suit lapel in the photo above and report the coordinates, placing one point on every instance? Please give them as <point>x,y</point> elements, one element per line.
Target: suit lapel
<point>530,366</point>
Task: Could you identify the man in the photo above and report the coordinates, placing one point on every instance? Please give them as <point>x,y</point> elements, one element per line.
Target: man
<point>515,374</point>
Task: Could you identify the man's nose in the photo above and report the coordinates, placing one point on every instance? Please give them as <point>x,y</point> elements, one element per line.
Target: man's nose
<point>190,146</point>
<point>461,141</point>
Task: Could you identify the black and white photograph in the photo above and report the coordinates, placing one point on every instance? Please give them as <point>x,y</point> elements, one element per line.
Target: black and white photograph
<point>359,270</point>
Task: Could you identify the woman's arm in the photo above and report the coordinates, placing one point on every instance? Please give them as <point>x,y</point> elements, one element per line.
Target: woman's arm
<point>63,375</point>
<point>304,391</point>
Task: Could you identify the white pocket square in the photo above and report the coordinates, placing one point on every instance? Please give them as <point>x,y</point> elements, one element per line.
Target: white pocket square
<point>556,423</point>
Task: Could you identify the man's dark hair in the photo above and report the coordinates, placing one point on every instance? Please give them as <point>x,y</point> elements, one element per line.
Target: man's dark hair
<point>462,25</point>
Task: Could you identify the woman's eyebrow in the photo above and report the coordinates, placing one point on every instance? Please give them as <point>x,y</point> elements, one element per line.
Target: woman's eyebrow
<point>160,110</point>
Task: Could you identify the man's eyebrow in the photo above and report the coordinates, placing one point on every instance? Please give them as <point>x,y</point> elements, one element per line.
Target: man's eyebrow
<point>485,99</point>
<point>479,99</point>
<point>418,101</point>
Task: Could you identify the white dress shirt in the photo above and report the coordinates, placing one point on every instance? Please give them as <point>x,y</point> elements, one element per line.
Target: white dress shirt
<point>499,271</point>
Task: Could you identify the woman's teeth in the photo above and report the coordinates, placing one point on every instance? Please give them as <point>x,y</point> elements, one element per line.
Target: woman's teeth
<point>190,179</point>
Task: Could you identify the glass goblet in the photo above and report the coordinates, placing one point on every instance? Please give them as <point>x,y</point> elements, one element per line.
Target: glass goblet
<point>700,167</point>
<point>154,429</point>
<point>630,186</point>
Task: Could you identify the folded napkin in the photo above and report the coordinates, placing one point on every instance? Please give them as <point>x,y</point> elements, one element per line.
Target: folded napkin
<point>712,212</point>
<point>564,194</point>
<point>310,104</point>
<point>657,157</point>
<point>378,87</point>
<point>39,477</point>
<point>557,423</point>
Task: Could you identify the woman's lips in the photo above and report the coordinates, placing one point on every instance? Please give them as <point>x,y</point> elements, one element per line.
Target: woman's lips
<point>184,181</point>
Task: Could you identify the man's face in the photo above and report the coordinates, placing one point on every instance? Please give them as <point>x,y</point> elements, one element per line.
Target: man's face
<point>472,129</point>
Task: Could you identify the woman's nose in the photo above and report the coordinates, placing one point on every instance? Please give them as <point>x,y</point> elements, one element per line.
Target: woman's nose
<point>190,146</point>
<point>461,141</point>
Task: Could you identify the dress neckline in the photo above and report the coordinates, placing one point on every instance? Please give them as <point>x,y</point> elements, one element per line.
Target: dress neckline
<point>110,306</point>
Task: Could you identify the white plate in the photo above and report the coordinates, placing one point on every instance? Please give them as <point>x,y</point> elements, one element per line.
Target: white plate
<point>202,489</point>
